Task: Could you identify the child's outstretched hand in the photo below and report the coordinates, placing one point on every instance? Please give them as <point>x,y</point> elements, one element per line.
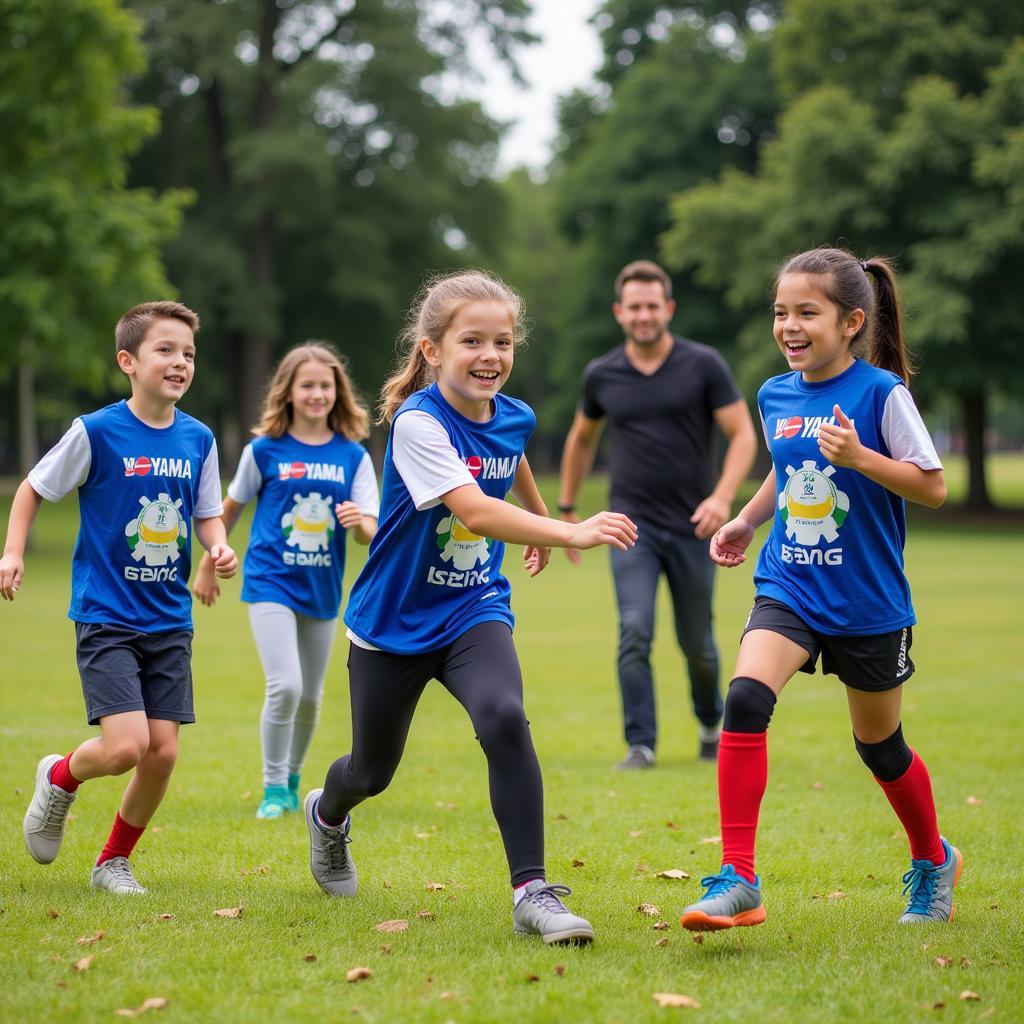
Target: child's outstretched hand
<point>225,561</point>
<point>348,514</point>
<point>205,585</point>
<point>840,444</point>
<point>730,542</point>
<point>611,528</point>
<point>12,569</point>
<point>535,558</point>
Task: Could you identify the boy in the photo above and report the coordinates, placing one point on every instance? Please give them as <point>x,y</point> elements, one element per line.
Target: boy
<point>143,469</point>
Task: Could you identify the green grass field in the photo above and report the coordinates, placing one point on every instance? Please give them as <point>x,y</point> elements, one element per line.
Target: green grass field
<point>830,850</point>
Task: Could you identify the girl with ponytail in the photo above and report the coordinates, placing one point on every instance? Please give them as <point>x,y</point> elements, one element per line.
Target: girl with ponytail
<point>848,448</point>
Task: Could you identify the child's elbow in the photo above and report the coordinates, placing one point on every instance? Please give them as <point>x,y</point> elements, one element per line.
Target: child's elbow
<point>937,492</point>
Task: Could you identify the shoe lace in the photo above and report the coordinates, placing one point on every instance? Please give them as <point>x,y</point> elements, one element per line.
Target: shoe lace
<point>121,870</point>
<point>337,855</point>
<point>56,809</point>
<point>717,885</point>
<point>920,882</point>
<point>548,897</point>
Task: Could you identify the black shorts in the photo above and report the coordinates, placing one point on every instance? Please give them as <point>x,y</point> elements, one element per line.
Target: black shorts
<point>874,663</point>
<point>124,670</point>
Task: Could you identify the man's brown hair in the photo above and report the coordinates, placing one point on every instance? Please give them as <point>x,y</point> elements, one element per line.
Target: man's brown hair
<point>132,326</point>
<point>642,270</point>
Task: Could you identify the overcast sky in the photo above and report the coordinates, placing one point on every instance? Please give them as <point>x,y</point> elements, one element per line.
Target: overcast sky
<point>567,56</point>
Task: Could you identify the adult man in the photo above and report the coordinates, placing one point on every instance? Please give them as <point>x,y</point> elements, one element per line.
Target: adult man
<point>662,396</point>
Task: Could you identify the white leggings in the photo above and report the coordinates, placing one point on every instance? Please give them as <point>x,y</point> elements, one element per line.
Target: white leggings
<point>294,650</point>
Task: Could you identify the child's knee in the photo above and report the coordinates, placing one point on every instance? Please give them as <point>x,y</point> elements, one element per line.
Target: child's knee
<point>124,754</point>
<point>283,696</point>
<point>889,759</point>
<point>748,706</point>
<point>503,725</point>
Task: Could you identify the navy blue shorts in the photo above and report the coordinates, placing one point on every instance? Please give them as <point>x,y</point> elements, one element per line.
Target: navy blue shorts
<point>874,663</point>
<point>124,670</point>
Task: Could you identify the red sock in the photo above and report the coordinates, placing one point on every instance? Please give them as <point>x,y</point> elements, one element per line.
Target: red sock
<point>123,838</point>
<point>742,777</point>
<point>60,775</point>
<point>911,799</point>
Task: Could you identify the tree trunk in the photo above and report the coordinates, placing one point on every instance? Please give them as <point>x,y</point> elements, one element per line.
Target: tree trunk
<point>974,413</point>
<point>28,433</point>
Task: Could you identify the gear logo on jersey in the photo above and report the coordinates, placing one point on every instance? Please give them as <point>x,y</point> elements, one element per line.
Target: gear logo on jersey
<point>463,549</point>
<point>309,525</point>
<point>811,505</point>
<point>158,534</point>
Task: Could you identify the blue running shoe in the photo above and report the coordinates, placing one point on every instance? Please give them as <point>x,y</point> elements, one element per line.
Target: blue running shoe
<point>729,901</point>
<point>930,888</point>
<point>294,803</point>
<point>274,803</point>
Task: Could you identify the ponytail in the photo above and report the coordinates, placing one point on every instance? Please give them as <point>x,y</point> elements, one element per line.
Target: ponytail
<point>413,375</point>
<point>887,349</point>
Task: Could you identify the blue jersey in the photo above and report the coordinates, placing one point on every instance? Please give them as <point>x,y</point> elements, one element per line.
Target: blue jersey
<point>427,578</point>
<point>835,551</point>
<point>138,489</point>
<point>296,553</point>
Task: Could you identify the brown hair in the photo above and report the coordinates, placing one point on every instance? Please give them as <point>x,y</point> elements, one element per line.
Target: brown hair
<point>132,326</point>
<point>847,281</point>
<point>430,316</point>
<point>642,270</point>
<point>348,416</point>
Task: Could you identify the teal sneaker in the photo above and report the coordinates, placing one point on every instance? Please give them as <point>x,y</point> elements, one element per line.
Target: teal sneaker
<point>931,888</point>
<point>274,803</point>
<point>729,900</point>
<point>294,803</point>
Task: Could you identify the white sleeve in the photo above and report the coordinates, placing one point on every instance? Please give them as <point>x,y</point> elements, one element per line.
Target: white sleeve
<point>904,432</point>
<point>764,430</point>
<point>248,480</point>
<point>425,459</point>
<point>365,492</point>
<point>65,466</point>
<point>208,502</point>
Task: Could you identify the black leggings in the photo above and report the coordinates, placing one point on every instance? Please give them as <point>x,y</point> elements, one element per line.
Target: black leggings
<point>481,671</point>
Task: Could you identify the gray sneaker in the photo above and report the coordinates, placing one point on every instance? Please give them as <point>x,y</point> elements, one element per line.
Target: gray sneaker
<point>115,875</point>
<point>729,900</point>
<point>329,859</point>
<point>931,888</point>
<point>638,757</point>
<point>43,826</point>
<point>541,912</point>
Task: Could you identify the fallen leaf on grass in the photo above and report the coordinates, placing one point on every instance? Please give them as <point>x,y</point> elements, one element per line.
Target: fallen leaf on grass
<point>85,963</point>
<point>165,917</point>
<point>228,912</point>
<point>384,948</point>
<point>840,895</point>
<point>247,795</point>
<point>974,801</point>
<point>560,970</point>
<point>310,958</point>
<point>358,974</point>
<point>991,906</point>
<point>634,833</point>
<point>441,805</point>
<point>88,940</point>
<point>672,825</point>
<point>672,873</point>
<point>52,913</point>
<point>940,1005</point>
<point>661,926</point>
<point>662,942</point>
<point>970,997</point>
<point>532,977</point>
<point>711,840</point>
<point>817,785</point>
<point>943,961</point>
<point>422,835</point>
<point>388,885</point>
<point>664,999</point>
<point>577,863</point>
<point>398,925</point>
<point>153,1003</point>
<point>435,886</point>
<point>260,869</point>
<point>649,909</point>
<point>445,996</point>
<point>425,915</point>
<point>157,828</point>
<point>561,817</point>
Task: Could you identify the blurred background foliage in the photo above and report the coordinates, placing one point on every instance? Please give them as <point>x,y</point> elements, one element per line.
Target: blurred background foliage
<point>293,169</point>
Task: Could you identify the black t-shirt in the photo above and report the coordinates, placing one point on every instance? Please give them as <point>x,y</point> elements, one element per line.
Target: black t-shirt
<point>661,429</point>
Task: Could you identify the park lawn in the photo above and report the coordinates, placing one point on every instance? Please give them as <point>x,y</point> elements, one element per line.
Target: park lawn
<point>830,849</point>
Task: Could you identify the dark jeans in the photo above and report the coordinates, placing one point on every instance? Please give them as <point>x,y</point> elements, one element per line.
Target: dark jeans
<point>690,574</point>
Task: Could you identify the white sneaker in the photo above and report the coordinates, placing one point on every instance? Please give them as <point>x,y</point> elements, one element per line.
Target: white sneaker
<point>541,912</point>
<point>329,859</point>
<point>47,814</point>
<point>115,875</point>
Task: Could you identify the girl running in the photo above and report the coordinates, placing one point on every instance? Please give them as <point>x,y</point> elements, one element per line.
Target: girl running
<point>431,602</point>
<point>306,470</point>
<point>848,447</point>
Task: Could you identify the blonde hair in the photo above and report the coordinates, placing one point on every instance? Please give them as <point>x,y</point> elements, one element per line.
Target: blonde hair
<point>430,316</point>
<point>134,324</point>
<point>349,415</point>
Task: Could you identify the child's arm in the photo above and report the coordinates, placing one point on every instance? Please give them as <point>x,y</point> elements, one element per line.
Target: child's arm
<point>205,586</point>
<point>362,527</point>
<point>24,509</point>
<point>212,534</point>
<point>841,446</point>
<point>730,542</point>
<point>524,490</point>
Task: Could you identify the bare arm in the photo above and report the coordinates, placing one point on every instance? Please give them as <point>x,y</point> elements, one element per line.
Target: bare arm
<point>524,490</point>
<point>578,456</point>
<point>205,585</point>
<point>734,421</point>
<point>729,544</point>
<point>212,534</point>
<point>24,510</point>
<point>361,527</point>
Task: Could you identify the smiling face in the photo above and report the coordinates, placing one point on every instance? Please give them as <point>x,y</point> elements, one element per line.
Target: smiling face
<point>474,357</point>
<point>312,394</point>
<point>161,368</point>
<point>810,329</point>
<point>643,312</point>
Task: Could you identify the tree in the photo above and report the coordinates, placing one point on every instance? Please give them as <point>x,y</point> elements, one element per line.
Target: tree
<point>907,145</point>
<point>78,247</point>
